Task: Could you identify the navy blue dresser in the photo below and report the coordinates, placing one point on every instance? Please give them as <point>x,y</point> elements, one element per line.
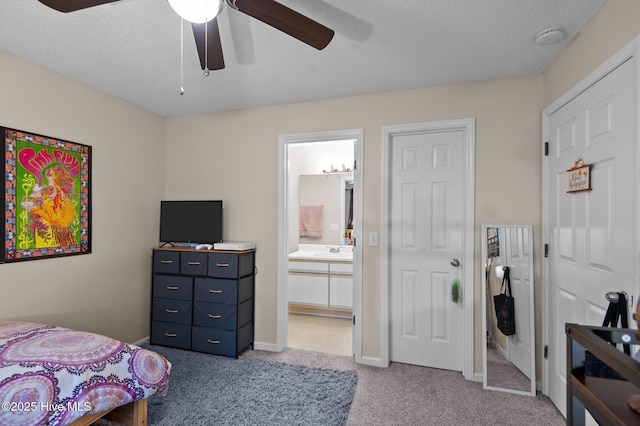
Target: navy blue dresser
<point>203,300</point>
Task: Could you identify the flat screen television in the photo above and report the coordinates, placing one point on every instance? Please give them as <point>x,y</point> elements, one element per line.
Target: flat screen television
<point>193,222</point>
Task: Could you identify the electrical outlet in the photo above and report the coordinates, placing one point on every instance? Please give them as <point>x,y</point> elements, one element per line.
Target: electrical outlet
<point>373,239</point>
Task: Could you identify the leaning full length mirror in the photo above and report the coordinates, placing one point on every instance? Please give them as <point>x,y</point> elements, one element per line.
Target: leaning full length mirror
<point>509,361</point>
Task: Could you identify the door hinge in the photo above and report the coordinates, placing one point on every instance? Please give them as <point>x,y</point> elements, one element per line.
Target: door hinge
<point>546,148</point>
<point>546,250</point>
<point>546,351</point>
<point>354,320</point>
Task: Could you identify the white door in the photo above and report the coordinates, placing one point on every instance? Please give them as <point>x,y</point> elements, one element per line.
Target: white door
<point>591,234</point>
<point>519,260</point>
<point>426,214</point>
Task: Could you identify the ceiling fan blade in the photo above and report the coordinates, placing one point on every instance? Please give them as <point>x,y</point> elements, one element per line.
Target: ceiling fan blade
<point>73,5</point>
<point>286,20</point>
<point>207,37</point>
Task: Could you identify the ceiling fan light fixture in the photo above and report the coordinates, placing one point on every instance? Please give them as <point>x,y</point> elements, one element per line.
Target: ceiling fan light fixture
<point>197,11</point>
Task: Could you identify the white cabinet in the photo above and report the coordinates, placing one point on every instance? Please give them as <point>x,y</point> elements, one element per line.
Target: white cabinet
<point>340,291</point>
<point>322,284</point>
<point>308,283</point>
<point>341,285</point>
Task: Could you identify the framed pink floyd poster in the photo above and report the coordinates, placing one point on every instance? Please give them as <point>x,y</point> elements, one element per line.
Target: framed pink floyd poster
<point>47,202</point>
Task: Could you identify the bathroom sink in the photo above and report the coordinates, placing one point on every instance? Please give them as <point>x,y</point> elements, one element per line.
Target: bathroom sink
<point>321,255</point>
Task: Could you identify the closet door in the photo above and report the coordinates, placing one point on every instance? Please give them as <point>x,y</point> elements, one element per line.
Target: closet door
<point>592,233</point>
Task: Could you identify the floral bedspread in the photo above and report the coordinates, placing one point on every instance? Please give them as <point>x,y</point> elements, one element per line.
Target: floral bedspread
<point>52,376</point>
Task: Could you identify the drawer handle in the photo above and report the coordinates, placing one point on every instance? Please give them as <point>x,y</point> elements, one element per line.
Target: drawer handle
<point>214,342</point>
<point>215,291</point>
<point>173,287</point>
<point>215,316</point>
<point>171,311</point>
<point>193,263</point>
<point>223,265</point>
<point>171,334</point>
<point>166,261</point>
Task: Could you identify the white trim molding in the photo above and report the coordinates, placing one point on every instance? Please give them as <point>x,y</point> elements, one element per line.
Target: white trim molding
<point>283,255</point>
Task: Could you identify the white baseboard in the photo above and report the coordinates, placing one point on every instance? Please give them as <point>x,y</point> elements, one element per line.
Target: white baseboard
<point>270,347</point>
<point>373,362</point>
<point>143,341</point>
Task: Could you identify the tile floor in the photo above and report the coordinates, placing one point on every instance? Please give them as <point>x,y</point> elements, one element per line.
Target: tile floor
<point>320,334</point>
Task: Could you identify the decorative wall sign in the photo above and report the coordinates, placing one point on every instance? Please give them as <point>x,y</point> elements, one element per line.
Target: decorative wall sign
<point>579,177</point>
<point>47,203</point>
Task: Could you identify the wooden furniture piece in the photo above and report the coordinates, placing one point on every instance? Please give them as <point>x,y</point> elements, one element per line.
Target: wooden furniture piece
<point>605,399</point>
<point>132,414</point>
<point>203,300</point>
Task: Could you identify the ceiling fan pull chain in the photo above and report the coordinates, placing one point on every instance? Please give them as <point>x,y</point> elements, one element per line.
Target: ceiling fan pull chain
<point>206,49</point>
<point>181,56</point>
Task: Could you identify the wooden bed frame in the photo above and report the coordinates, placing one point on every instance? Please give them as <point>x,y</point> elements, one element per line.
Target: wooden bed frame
<point>134,414</point>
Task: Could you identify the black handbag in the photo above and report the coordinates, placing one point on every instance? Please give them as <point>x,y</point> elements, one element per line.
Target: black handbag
<point>505,306</point>
<point>616,312</point>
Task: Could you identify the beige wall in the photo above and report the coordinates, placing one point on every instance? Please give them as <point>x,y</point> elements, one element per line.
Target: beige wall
<point>106,291</point>
<point>233,156</point>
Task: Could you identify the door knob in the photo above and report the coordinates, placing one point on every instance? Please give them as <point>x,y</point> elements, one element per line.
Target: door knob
<point>455,263</point>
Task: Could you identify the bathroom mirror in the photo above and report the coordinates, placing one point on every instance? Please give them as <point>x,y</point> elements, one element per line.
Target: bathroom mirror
<point>509,361</point>
<point>334,194</point>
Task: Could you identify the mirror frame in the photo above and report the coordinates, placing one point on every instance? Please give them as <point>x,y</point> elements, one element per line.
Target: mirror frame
<point>532,391</point>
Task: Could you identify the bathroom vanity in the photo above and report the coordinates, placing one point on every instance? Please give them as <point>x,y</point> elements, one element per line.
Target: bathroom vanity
<point>320,280</point>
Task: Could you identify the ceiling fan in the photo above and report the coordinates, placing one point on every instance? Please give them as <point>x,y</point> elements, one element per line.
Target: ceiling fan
<point>207,34</point>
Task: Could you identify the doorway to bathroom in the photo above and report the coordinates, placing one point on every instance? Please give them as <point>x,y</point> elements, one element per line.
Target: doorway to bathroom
<point>319,260</point>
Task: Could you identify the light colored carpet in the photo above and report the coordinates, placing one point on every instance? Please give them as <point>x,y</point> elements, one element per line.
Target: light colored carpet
<point>410,395</point>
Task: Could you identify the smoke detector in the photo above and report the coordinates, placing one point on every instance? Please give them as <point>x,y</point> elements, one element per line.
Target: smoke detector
<point>549,36</point>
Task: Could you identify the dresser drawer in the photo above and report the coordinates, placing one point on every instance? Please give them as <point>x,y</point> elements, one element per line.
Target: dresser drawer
<point>216,290</point>
<point>219,315</point>
<point>216,315</point>
<point>166,262</point>
<point>213,341</point>
<point>193,263</point>
<point>172,287</point>
<point>171,310</point>
<point>171,334</point>
<point>230,265</point>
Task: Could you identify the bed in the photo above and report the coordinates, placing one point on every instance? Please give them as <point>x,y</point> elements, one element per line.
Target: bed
<point>56,376</point>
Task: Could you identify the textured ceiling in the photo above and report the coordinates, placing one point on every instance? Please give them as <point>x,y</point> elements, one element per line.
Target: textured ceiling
<point>132,48</point>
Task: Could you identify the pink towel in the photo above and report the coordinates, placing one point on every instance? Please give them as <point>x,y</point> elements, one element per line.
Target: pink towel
<point>311,221</point>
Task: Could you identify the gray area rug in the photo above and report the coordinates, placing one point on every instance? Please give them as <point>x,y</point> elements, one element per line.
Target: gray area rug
<point>213,390</point>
